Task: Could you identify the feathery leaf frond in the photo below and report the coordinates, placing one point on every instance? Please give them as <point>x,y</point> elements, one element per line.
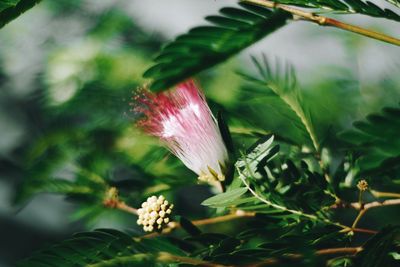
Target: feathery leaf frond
<point>205,46</point>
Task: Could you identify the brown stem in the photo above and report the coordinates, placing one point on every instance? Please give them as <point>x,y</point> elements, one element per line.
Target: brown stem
<point>167,257</point>
<point>362,230</point>
<point>375,204</point>
<point>370,205</point>
<point>378,194</point>
<point>124,207</point>
<point>324,21</point>
<point>175,225</point>
<point>346,251</point>
<point>224,218</point>
<point>363,208</point>
<point>358,218</point>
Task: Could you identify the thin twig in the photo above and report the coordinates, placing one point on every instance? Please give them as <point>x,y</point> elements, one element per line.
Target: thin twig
<point>224,218</point>
<point>376,204</point>
<point>363,208</point>
<point>124,207</point>
<point>370,205</point>
<point>324,21</point>
<point>167,257</point>
<point>363,230</point>
<point>379,194</point>
<point>238,214</point>
<point>330,251</point>
<point>358,218</point>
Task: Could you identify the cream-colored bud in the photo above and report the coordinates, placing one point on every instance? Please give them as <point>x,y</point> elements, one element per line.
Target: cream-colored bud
<point>153,214</point>
<point>161,213</point>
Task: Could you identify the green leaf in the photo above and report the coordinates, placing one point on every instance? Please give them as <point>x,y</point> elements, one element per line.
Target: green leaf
<point>101,247</point>
<point>11,9</point>
<point>394,2</point>
<point>225,198</point>
<point>377,139</point>
<point>204,47</point>
<point>349,6</point>
<point>282,81</point>
<point>4,4</point>
<point>377,251</point>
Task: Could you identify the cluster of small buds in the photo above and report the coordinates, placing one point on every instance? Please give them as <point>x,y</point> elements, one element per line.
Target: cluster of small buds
<point>362,185</point>
<point>111,198</point>
<point>154,213</point>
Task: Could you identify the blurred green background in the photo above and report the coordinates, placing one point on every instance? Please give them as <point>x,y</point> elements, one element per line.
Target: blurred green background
<point>67,72</point>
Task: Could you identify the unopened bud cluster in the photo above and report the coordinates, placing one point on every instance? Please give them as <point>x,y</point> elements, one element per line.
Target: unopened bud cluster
<point>362,185</point>
<point>154,213</point>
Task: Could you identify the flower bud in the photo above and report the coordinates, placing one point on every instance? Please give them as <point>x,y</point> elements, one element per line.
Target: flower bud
<point>154,214</point>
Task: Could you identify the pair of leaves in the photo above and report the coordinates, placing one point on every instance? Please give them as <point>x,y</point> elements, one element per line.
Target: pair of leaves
<point>206,46</point>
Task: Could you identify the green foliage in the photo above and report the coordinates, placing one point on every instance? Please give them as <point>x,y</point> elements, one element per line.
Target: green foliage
<point>102,247</point>
<point>394,2</point>
<point>11,9</point>
<point>348,6</point>
<point>206,46</point>
<point>283,196</point>
<point>375,142</point>
<point>107,247</point>
<point>282,81</point>
<point>276,188</point>
<point>377,251</point>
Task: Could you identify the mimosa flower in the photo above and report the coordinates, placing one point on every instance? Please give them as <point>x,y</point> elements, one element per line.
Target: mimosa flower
<point>182,119</point>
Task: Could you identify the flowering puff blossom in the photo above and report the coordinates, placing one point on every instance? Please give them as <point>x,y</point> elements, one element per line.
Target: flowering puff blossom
<point>182,119</point>
<point>154,213</point>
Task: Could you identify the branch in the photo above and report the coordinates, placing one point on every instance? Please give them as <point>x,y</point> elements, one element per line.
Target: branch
<point>124,207</point>
<point>370,205</point>
<point>224,218</point>
<point>324,21</point>
<point>363,208</point>
<point>379,194</point>
<point>279,207</point>
<point>366,231</point>
<point>167,257</point>
<point>375,204</point>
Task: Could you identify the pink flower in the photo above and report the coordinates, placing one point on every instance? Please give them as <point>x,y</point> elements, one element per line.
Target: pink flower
<point>182,119</point>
